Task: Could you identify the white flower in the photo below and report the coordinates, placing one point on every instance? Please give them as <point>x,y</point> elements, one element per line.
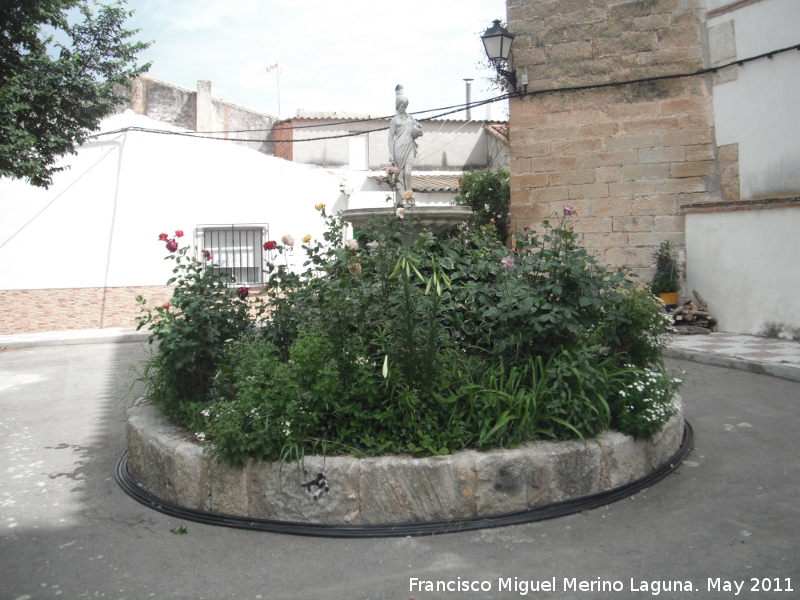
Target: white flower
<point>373,246</point>
<point>400,212</point>
<point>288,240</point>
<point>200,436</point>
<point>206,413</point>
<point>352,244</point>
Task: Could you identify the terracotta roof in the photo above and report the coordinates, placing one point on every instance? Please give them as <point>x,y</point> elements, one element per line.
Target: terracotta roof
<point>500,131</point>
<point>431,183</point>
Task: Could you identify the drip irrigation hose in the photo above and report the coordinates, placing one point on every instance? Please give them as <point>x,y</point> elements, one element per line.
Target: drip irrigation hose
<point>539,513</point>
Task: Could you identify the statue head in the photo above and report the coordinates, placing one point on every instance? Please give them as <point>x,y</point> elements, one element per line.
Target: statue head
<point>401,101</point>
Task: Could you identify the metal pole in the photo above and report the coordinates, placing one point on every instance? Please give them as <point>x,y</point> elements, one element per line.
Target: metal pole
<point>469,98</point>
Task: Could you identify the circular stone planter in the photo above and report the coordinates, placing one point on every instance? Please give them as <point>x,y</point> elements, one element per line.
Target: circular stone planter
<point>343,490</point>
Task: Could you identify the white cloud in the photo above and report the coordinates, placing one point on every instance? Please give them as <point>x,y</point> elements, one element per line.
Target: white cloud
<point>346,55</point>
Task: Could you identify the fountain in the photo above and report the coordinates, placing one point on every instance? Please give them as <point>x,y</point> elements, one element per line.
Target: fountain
<point>403,133</point>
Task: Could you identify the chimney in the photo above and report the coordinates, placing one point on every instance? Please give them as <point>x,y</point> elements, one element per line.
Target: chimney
<point>205,119</point>
<point>469,98</point>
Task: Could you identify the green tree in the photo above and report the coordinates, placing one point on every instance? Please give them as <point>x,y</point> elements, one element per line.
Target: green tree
<point>50,105</point>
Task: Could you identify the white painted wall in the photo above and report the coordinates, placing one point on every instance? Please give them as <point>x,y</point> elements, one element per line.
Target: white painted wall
<point>760,110</point>
<point>444,145</point>
<point>745,265</point>
<point>99,222</point>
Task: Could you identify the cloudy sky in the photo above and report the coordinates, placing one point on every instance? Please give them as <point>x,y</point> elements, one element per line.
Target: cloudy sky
<point>344,55</point>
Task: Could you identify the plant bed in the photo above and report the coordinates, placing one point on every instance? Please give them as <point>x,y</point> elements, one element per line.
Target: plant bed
<point>165,461</point>
<point>488,376</point>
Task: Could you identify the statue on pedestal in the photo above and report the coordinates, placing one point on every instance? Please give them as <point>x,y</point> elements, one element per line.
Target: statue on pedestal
<point>403,133</point>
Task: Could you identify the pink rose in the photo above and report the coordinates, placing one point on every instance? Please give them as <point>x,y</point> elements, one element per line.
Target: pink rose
<point>288,240</point>
<point>568,210</point>
<point>270,245</point>
<point>172,245</point>
<point>162,237</point>
<point>179,233</point>
<point>166,305</point>
<point>507,262</point>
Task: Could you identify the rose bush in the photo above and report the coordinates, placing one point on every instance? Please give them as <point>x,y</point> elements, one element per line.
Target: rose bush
<point>190,333</point>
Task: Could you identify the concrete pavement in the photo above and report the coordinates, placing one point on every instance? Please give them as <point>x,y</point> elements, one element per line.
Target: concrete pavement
<point>779,358</point>
<point>730,514</point>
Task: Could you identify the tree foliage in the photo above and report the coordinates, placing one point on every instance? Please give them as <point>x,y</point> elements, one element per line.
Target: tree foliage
<point>50,105</point>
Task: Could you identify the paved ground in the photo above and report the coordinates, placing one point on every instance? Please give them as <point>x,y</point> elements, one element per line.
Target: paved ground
<point>780,358</point>
<point>66,530</point>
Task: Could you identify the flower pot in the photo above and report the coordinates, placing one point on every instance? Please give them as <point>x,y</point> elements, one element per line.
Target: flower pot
<point>670,299</point>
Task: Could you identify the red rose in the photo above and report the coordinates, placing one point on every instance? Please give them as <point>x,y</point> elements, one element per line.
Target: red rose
<point>166,305</point>
<point>179,233</point>
<point>207,254</point>
<point>243,292</point>
<point>270,245</point>
<point>172,245</point>
<point>162,237</point>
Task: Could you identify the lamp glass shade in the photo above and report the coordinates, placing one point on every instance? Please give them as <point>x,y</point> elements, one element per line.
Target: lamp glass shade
<point>497,42</point>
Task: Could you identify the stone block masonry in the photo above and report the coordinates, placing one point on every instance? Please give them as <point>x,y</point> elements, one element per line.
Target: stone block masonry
<point>625,157</point>
<point>388,489</point>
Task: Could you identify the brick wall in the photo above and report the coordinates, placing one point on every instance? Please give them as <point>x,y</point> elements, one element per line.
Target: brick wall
<point>31,311</point>
<point>626,158</point>
<point>284,131</point>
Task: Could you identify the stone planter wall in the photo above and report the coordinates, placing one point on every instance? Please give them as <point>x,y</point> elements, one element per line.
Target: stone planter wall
<point>388,489</point>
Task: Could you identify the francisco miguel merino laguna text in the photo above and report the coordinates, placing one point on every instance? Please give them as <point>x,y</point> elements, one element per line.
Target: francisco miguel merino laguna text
<point>569,584</point>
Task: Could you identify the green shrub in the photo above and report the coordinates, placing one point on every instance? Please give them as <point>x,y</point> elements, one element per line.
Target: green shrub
<point>643,402</point>
<point>488,194</point>
<point>191,331</point>
<point>428,348</point>
<point>636,325</point>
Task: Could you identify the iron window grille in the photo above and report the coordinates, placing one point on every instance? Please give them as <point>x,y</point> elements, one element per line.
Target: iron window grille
<point>237,251</point>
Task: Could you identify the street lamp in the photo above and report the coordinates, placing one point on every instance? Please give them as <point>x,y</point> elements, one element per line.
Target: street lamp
<point>497,42</point>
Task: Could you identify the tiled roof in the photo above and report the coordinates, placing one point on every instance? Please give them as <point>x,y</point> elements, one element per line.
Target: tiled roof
<point>500,131</point>
<point>434,183</point>
<point>337,115</point>
<point>431,183</point>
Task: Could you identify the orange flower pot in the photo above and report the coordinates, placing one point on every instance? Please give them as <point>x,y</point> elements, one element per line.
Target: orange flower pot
<point>670,299</point>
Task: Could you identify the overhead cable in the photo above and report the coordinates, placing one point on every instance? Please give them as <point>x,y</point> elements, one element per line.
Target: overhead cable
<point>447,110</point>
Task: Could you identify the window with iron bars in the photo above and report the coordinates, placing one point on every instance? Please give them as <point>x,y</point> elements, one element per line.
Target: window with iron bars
<point>237,251</point>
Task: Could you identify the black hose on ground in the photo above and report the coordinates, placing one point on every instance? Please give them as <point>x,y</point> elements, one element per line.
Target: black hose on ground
<point>539,513</point>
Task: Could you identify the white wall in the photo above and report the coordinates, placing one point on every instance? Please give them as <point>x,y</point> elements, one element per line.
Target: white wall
<point>745,265</point>
<point>760,109</point>
<point>444,145</point>
<point>99,222</point>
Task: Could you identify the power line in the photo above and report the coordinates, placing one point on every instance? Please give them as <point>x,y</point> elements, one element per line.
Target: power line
<point>450,109</point>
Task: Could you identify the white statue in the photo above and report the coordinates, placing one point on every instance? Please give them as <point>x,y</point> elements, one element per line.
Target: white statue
<point>403,133</point>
